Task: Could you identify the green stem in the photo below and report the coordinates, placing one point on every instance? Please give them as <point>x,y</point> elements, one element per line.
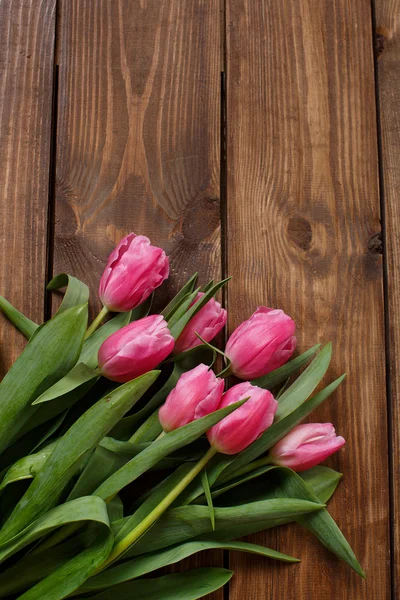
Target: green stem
<point>160,436</point>
<point>102,314</point>
<point>156,513</point>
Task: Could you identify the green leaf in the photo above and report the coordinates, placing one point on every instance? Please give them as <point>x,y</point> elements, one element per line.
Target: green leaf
<point>49,411</point>
<point>66,457</point>
<point>79,375</point>
<point>177,586</point>
<point>85,370</point>
<point>159,449</point>
<point>58,344</point>
<point>258,485</point>
<point>206,487</point>
<point>176,301</point>
<point>156,560</point>
<point>183,307</point>
<point>323,481</point>
<point>305,384</point>
<point>34,567</point>
<point>77,292</point>
<point>179,326</point>
<point>71,575</point>
<point>277,431</point>
<point>27,467</point>
<point>106,459</point>
<point>180,524</point>
<point>21,322</point>
<point>82,510</point>
<point>279,375</point>
<point>321,525</point>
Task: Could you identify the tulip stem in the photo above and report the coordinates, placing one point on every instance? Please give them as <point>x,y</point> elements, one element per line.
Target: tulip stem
<point>156,513</point>
<point>100,317</point>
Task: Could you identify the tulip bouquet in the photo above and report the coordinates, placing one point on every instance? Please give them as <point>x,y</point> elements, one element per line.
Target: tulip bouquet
<point>125,449</point>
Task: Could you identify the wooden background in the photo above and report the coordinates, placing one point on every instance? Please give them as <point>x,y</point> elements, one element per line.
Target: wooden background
<point>256,138</point>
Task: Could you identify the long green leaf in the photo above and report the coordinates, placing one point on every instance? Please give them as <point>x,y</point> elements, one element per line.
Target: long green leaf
<point>58,344</point>
<point>65,459</point>
<point>159,449</point>
<point>21,322</point>
<point>79,375</point>
<point>34,567</point>
<point>176,301</point>
<point>277,431</point>
<point>77,292</point>
<point>321,525</point>
<point>27,467</point>
<point>305,384</point>
<point>279,375</point>
<point>67,578</point>
<point>90,508</point>
<point>156,560</point>
<point>177,586</point>
<point>186,522</point>
<point>85,370</point>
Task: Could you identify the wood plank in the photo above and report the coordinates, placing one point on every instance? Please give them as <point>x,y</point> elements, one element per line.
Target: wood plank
<point>138,133</point>
<point>26,80</point>
<point>303,213</point>
<point>388,48</point>
<point>138,138</point>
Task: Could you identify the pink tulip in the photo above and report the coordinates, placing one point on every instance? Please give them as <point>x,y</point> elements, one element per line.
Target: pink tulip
<point>135,349</point>
<point>306,446</point>
<point>239,429</point>
<point>197,393</point>
<point>207,322</point>
<point>261,344</point>
<point>134,270</point>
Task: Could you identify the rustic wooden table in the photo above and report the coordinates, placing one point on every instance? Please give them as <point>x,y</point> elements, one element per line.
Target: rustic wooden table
<point>255,138</point>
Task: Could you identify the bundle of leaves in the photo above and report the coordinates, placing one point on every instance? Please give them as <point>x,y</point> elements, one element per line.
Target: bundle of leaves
<point>83,464</point>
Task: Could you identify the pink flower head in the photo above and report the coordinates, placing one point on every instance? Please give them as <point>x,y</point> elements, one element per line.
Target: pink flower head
<point>135,349</point>
<point>134,270</point>
<point>306,446</point>
<point>207,322</point>
<point>197,393</point>
<point>261,344</point>
<point>239,429</point>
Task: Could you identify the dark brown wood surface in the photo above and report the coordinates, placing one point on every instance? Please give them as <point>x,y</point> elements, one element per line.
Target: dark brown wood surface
<point>26,90</point>
<point>283,195</point>
<point>303,208</point>
<point>388,69</point>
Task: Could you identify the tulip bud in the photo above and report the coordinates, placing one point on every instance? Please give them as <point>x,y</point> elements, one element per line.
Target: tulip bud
<point>135,349</point>
<point>261,344</point>
<point>197,393</point>
<point>306,446</point>
<point>134,270</point>
<point>207,323</point>
<point>239,429</point>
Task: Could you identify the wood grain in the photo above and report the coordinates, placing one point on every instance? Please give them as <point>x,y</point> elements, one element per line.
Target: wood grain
<point>138,133</point>
<point>303,213</point>
<point>138,138</point>
<point>26,80</point>
<point>388,49</point>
